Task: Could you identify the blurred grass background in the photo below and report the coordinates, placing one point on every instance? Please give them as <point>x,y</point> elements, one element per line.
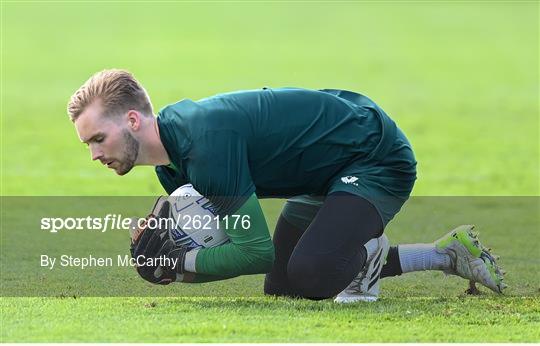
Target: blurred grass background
<point>460,78</point>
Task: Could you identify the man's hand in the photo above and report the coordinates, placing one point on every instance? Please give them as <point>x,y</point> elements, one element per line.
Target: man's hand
<point>177,254</point>
<point>147,242</point>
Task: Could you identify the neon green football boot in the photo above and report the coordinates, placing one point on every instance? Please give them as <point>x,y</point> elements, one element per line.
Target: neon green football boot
<point>470,259</point>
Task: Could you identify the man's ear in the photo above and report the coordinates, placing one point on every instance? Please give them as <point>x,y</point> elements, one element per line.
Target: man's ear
<point>134,119</point>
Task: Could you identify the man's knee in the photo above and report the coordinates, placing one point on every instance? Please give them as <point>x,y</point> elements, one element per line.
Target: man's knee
<point>310,277</point>
<point>273,287</point>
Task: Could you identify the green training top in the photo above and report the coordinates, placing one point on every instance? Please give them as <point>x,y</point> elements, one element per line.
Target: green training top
<point>273,142</point>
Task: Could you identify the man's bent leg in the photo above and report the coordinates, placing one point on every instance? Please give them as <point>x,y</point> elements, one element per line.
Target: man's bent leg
<point>285,238</point>
<point>331,252</point>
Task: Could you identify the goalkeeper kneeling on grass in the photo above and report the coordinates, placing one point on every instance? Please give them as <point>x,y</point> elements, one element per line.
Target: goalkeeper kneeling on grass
<point>343,164</point>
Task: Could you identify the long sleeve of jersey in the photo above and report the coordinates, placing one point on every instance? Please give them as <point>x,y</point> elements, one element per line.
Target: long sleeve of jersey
<point>250,250</point>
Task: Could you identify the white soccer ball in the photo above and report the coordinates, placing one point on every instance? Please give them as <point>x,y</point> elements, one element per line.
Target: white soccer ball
<point>195,219</point>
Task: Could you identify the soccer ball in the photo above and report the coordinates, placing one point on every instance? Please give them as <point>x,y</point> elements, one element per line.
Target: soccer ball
<point>195,220</point>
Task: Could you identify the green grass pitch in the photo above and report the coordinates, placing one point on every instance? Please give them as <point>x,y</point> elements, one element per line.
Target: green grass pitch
<point>461,79</point>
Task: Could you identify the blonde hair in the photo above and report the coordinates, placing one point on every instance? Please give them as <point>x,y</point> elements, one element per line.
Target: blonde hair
<point>117,90</point>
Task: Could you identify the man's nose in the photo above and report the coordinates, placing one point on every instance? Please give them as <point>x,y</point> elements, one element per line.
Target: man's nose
<point>96,154</point>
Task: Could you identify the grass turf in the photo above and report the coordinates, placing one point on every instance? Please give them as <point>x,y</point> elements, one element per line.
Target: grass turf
<point>274,320</point>
<point>459,78</point>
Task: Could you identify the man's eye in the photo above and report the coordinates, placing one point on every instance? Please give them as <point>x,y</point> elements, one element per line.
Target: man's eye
<point>99,140</point>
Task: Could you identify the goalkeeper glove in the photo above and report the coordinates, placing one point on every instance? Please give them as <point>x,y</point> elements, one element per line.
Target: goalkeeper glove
<point>147,243</point>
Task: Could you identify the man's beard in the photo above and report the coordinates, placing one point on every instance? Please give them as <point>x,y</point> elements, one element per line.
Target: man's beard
<point>131,153</point>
